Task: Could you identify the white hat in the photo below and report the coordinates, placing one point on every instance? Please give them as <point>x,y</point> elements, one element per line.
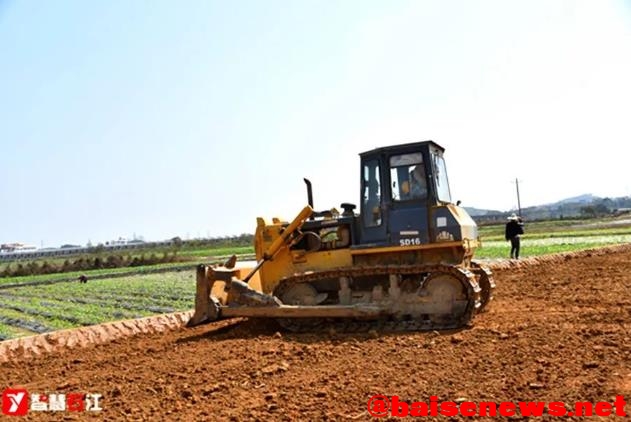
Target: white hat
<point>513,216</point>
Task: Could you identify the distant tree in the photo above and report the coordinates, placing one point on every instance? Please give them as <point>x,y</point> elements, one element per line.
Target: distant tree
<point>66,267</point>
<point>595,210</point>
<point>608,203</point>
<point>601,209</point>
<point>19,271</point>
<point>588,211</point>
<point>81,264</point>
<point>176,242</point>
<point>32,268</point>
<point>47,268</point>
<point>113,261</point>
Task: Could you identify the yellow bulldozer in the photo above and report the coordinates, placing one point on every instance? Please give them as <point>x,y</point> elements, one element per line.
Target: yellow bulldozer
<point>404,262</point>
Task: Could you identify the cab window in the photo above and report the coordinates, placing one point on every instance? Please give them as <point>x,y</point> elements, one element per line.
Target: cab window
<point>407,174</point>
<point>442,183</point>
<point>371,194</point>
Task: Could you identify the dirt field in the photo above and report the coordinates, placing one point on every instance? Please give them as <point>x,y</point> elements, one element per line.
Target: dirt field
<point>559,330</point>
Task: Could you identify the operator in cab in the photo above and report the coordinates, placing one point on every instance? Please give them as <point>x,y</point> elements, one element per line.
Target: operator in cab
<point>418,183</point>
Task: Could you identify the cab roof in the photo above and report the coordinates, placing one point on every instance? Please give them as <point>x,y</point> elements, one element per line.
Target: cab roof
<point>412,146</point>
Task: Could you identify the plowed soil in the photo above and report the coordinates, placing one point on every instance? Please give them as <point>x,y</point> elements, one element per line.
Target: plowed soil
<point>559,329</point>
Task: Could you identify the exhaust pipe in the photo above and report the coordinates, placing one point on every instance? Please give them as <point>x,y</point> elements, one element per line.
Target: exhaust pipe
<point>309,195</point>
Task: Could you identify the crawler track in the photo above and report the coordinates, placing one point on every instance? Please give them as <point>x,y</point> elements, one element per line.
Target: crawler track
<point>390,323</point>
<point>486,282</point>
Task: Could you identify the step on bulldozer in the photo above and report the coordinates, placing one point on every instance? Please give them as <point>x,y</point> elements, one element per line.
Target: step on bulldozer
<point>404,262</point>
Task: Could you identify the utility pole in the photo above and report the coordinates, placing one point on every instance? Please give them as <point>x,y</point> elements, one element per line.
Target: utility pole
<point>518,201</point>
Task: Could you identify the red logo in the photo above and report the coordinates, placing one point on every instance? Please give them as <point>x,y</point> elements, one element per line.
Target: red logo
<point>75,402</point>
<point>378,406</point>
<point>15,402</point>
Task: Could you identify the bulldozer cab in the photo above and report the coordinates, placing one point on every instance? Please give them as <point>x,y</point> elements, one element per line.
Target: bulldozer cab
<point>399,185</point>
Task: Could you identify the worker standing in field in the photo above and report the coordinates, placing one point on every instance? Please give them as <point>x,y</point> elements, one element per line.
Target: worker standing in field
<point>514,229</point>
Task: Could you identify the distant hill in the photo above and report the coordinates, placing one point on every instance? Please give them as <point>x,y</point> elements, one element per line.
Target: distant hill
<point>585,198</point>
<point>586,205</point>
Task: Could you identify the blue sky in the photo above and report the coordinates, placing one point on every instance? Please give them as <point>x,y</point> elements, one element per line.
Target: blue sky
<point>159,119</point>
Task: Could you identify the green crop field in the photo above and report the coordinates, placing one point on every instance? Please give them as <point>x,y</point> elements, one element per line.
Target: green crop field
<point>27,309</point>
<point>218,252</point>
<point>545,237</point>
<point>543,246</point>
<point>42,308</point>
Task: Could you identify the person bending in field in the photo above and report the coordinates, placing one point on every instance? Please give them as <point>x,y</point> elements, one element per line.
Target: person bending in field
<point>514,229</point>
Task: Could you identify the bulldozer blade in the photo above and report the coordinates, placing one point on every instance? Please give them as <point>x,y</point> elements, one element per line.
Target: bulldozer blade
<point>206,307</point>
